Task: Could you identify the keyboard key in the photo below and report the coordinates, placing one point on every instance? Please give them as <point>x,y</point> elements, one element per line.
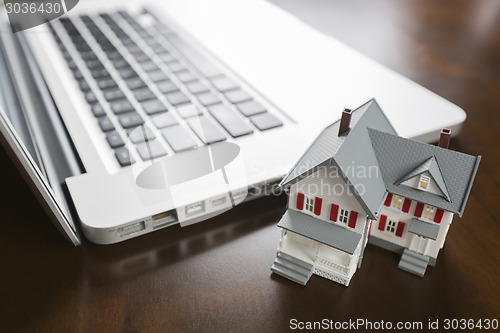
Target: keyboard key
<point>127,72</point>
<point>114,139</point>
<point>151,149</point>
<point>140,134</point>
<point>90,97</point>
<point>154,106</point>
<point>230,120</point>
<point>251,108</point>
<point>178,138</point>
<point>167,87</point>
<point>123,157</point>
<point>265,121</point>
<point>237,96</point>
<point>77,74</point>
<point>186,77</point>
<point>131,119</point>
<point>206,130</point>
<point>105,124</point>
<point>121,106</point>
<point>119,63</point>
<point>99,73</point>
<point>167,57</point>
<point>224,84</point>
<point>205,66</point>
<point>135,83</point>
<point>177,98</point>
<point>176,66</point>
<point>208,99</point>
<point>84,86</point>
<point>164,120</point>
<point>149,66</point>
<point>143,94</point>
<point>106,83</point>
<point>189,111</point>
<point>158,76</point>
<point>98,110</point>
<point>196,87</point>
<point>113,94</point>
<point>141,57</point>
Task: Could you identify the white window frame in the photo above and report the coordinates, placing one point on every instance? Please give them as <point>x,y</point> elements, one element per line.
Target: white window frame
<point>343,215</point>
<point>424,182</point>
<point>391,227</point>
<point>397,202</point>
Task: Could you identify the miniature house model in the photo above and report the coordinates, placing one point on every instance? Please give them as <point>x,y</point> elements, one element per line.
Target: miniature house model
<point>359,182</point>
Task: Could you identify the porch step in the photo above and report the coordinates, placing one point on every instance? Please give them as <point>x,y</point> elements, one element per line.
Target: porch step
<point>413,262</point>
<point>292,268</point>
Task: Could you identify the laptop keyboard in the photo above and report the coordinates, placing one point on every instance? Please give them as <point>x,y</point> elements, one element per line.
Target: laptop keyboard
<point>147,86</point>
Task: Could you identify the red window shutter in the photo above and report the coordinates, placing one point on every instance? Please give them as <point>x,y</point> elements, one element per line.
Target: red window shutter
<point>370,228</point>
<point>300,201</point>
<point>352,219</point>
<point>388,200</point>
<point>317,205</point>
<point>406,205</point>
<point>334,212</point>
<point>419,209</point>
<point>438,216</point>
<point>381,222</point>
<point>400,229</point>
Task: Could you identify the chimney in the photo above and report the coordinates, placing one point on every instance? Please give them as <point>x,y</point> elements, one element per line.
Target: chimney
<point>444,139</point>
<point>345,121</point>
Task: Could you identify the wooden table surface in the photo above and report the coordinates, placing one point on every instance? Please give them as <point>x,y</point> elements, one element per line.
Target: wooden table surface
<point>215,276</point>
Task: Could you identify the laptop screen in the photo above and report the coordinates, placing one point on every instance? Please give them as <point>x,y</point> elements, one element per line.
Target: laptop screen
<point>28,124</point>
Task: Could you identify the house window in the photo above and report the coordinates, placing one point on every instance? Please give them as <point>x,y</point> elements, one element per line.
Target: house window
<point>343,216</point>
<point>429,212</point>
<point>423,183</point>
<point>310,204</point>
<point>397,202</point>
<point>391,226</point>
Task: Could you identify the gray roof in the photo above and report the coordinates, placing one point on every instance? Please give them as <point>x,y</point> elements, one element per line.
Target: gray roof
<point>431,166</point>
<point>397,156</point>
<point>321,231</point>
<point>349,153</point>
<point>424,229</point>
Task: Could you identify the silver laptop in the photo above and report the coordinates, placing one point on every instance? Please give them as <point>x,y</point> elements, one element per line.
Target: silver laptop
<point>147,114</point>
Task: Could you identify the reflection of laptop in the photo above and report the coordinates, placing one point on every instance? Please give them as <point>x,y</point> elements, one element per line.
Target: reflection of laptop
<point>115,87</point>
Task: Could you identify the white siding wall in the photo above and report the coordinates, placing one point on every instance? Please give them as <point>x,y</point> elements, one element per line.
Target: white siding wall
<point>329,186</point>
<point>430,248</point>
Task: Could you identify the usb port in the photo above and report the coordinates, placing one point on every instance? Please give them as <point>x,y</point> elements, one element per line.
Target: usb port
<point>219,201</point>
<point>196,208</point>
<point>131,229</point>
<point>163,219</point>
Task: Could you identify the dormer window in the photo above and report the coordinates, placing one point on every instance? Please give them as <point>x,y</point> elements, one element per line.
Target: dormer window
<point>309,204</point>
<point>423,183</point>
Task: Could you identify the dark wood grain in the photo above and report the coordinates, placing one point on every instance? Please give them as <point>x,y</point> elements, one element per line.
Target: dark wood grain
<point>215,276</point>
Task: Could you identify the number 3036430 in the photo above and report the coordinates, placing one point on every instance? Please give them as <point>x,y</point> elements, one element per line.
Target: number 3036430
<point>33,8</point>
<point>470,324</point>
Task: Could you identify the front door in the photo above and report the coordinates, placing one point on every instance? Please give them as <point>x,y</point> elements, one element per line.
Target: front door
<point>418,244</point>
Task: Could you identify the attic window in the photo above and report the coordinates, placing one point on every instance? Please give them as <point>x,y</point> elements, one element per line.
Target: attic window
<point>423,184</point>
<point>309,204</point>
<point>343,216</point>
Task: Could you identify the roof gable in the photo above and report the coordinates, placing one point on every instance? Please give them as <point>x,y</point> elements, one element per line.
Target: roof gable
<point>349,153</point>
<point>397,155</point>
<point>431,168</point>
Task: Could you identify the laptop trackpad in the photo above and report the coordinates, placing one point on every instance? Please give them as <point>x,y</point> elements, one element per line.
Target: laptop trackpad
<point>183,167</point>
